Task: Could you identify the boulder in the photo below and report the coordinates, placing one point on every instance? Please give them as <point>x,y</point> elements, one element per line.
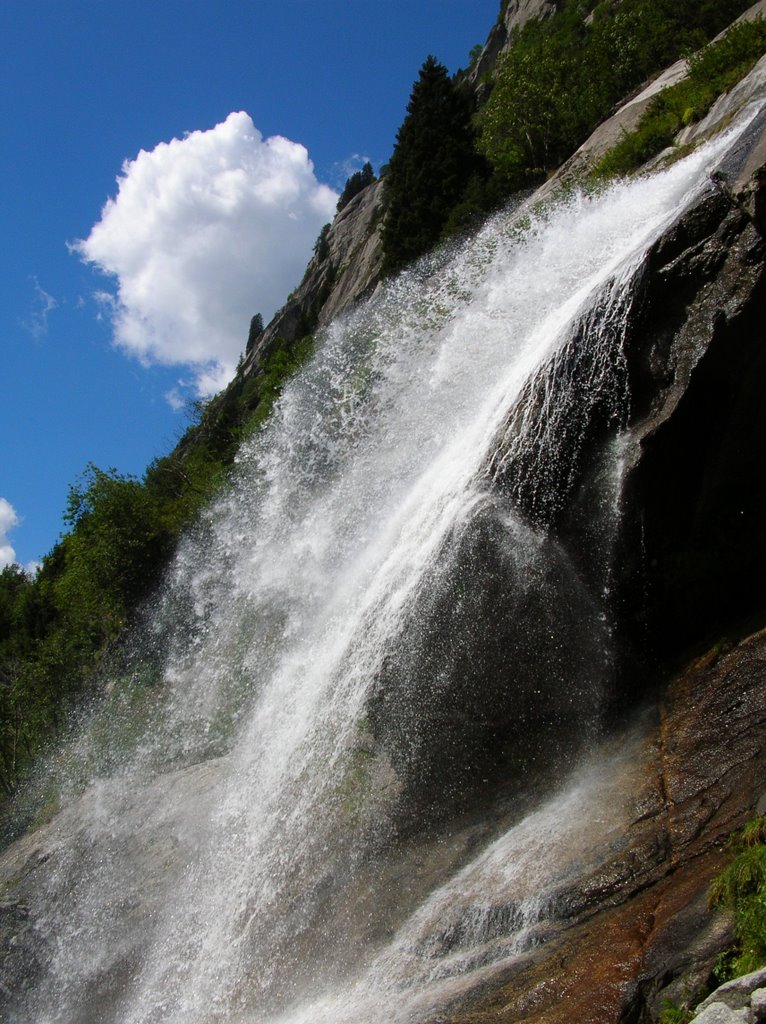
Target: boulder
<point>736,994</point>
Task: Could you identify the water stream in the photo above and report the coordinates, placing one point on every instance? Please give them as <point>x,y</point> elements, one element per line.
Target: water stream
<point>374,634</point>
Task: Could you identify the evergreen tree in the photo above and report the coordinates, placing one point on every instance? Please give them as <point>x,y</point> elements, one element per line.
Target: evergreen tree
<point>433,161</point>
<point>256,330</point>
<point>359,180</point>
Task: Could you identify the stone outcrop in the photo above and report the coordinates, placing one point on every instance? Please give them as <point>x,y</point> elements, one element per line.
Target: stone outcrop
<point>638,930</point>
<point>743,999</point>
<point>513,18</point>
<point>627,116</point>
<point>44,864</point>
<point>692,529</point>
<point>691,548</point>
<point>692,558</point>
<point>346,266</point>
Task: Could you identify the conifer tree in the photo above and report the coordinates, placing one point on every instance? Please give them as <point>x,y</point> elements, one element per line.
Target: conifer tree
<point>355,183</point>
<point>432,162</point>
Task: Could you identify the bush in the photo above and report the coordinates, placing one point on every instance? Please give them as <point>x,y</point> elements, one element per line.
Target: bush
<point>713,71</point>
<point>562,76</point>
<point>741,887</point>
<point>673,1014</point>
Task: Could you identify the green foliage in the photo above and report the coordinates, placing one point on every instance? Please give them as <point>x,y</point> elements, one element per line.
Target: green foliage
<point>322,244</point>
<point>56,627</point>
<point>116,539</point>
<point>432,163</point>
<point>673,1014</point>
<point>354,184</point>
<point>742,888</point>
<point>474,54</point>
<point>714,70</point>
<point>563,75</point>
<point>256,330</point>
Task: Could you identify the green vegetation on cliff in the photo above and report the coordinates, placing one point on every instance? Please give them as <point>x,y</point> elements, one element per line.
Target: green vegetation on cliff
<point>564,75</point>
<point>56,627</point>
<point>560,78</point>
<point>433,160</point>
<point>712,71</point>
<point>354,184</point>
<point>741,887</point>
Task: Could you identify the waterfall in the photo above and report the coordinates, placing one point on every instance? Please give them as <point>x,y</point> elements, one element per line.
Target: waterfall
<point>375,633</point>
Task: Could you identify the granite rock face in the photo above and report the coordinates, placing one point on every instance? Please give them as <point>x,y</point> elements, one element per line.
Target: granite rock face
<point>639,929</point>
<point>691,557</point>
<point>344,268</point>
<point>627,116</point>
<point>693,508</point>
<point>347,267</point>
<point>515,16</point>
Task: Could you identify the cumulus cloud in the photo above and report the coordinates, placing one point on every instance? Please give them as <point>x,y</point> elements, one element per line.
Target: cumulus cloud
<point>204,232</point>
<point>8,519</point>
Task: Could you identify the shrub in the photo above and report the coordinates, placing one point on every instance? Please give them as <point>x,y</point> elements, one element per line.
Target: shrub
<point>713,71</point>
<point>673,1014</point>
<point>562,76</point>
<point>742,888</point>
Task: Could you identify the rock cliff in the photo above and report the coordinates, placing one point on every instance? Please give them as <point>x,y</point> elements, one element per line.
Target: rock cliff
<point>691,560</point>
<point>638,930</point>
<point>344,268</point>
<point>514,16</point>
<point>348,266</point>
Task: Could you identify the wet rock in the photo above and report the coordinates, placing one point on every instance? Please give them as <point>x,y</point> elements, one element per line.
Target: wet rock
<point>695,360</point>
<point>647,935</point>
<point>44,867</point>
<point>502,660</point>
<point>23,953</point>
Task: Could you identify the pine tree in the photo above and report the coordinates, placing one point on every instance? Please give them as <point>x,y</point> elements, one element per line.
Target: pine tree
<point>359,180</point>
<point>432,162</point>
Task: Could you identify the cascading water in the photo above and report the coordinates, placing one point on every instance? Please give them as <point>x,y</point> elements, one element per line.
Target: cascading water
<point>373,633</point>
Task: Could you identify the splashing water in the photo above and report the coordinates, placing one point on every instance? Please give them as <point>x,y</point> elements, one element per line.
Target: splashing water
<point>372,626</point>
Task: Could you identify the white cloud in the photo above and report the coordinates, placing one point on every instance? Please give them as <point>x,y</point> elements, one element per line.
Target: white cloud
<point>37,320</point>
<point>204,232</point>
<point>8,519</point>
<point>175,399</point>
<point>344,169</point>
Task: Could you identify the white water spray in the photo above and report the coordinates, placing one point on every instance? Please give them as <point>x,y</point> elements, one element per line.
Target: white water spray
<point>252,852</point>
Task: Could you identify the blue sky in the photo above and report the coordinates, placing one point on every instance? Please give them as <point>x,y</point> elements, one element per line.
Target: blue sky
<point>113,319</point>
